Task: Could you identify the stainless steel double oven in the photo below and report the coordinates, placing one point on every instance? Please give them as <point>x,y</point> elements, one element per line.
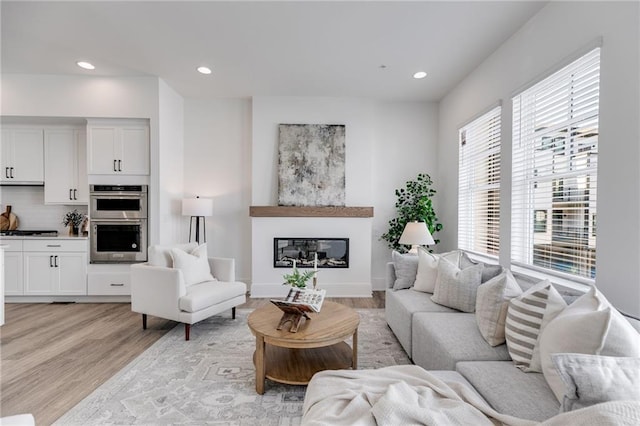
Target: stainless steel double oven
<point>118,216</point>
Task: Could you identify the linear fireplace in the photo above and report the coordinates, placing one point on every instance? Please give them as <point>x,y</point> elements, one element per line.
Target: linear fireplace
<point>331,252</point>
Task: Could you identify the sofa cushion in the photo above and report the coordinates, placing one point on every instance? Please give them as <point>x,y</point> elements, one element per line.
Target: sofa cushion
<point>201,296</point>
<point>161,255</point>
<point>590,325</point>
<point>491,306</point>
<point>527,316</point>
<point>428,268</point>
<point>406,266</point>
<point>457,288</point>
<point>440,340</point>
<point>592,379</point>
<point>488,270</point>
<point>194,265</point>
<point>510,390</point>
<point>399,309</point>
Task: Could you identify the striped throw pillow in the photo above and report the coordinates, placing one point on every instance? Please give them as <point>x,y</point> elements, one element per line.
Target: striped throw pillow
<point>527,315</point>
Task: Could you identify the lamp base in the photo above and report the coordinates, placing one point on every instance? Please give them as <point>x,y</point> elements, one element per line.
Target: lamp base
<point>414,249</point>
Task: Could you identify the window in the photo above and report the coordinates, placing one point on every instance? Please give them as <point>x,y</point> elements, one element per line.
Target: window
<point>554,170</point>
<point>479,184</point>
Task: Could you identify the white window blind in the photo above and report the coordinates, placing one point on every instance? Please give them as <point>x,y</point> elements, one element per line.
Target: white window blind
<point>554,170</point>
<point>479,184</point>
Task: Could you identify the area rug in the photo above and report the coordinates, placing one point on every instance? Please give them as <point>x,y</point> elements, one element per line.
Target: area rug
<point>211,379</point>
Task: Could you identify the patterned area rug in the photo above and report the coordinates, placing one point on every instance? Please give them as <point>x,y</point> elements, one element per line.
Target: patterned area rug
<point>211,379</point>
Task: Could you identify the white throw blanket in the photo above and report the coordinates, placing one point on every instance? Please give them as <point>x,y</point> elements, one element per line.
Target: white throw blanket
<point>409,395</point>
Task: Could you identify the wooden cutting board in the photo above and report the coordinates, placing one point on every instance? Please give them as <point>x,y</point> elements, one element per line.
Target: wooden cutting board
<point>8,220</point>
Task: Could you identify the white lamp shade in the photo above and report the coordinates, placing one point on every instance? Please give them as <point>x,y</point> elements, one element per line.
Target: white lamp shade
<point>416,233</point>
<point>197,207</point>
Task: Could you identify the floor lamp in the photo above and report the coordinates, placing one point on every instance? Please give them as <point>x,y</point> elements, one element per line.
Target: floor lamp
<point>198,208</point>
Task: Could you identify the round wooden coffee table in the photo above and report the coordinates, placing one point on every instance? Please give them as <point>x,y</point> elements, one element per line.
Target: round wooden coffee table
<point>319,344</point>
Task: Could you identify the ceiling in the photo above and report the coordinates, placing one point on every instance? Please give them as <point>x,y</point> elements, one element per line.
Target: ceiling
<point>323,48</point>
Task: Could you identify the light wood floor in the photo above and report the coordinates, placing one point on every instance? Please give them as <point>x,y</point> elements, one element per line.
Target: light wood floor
<point>53,355</point>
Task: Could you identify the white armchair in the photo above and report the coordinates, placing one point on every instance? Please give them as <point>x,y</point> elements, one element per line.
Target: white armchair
<point>161,291</point>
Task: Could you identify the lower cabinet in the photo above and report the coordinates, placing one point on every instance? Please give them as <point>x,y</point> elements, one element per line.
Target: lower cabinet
<point>109,284</point>
<point>55,267</point>
<point>13,268</point>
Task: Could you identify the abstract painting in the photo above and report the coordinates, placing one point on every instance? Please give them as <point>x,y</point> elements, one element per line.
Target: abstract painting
<point>311,170</point>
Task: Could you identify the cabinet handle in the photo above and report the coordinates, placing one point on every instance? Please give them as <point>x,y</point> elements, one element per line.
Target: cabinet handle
<point>117,284</point>
<point>119,166</point>
<point>6,172</point>
<point>114,166</point>
<point>50,261</point>
<point>54,245</point>
<point>70,197</point>
<point>75,194</point>
<point>56,261</point>
<point>11,169</point>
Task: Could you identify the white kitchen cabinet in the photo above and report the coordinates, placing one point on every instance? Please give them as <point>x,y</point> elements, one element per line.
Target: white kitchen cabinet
<point>13,282</point>
<point>21,156</point>
<point>118,148</point>
<point>65,167</point>
<point>55,267</point>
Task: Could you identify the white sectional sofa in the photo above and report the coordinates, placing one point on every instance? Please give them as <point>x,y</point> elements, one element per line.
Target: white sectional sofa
<point>449,345</point>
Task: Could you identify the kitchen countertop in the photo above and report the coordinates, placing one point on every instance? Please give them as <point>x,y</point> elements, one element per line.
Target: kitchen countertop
<point>40,237</point>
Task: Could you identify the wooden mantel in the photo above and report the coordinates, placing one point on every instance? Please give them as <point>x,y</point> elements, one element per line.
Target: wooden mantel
<point>291,211</point>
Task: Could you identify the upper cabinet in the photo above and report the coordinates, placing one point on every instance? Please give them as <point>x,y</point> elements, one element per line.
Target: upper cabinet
<point>65,171</point>
<point>21,156</point>
<point>118,147</point>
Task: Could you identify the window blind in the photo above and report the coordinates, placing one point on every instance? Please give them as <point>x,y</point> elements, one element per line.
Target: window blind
<point>554,170</point>
<point>479,184</point>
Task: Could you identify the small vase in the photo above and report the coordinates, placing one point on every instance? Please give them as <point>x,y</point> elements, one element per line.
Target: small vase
<point>73,230</point>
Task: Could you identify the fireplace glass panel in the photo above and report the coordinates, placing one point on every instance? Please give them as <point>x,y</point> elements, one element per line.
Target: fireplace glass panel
<point>331,252</point>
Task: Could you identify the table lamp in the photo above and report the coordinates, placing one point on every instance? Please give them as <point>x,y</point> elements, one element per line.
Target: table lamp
<point>198,208</point>
<point>416,234</point>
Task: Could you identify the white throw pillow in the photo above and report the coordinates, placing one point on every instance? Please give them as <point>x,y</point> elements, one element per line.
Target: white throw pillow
<point>492,303</point>
<point>161,255</point>
<point>590,325</point>
<point>457,288</point>
<point>406,267</point>
<point>527,316</point>
<point>428,268</point>
<point>592,379</point>
<point>194,266</point>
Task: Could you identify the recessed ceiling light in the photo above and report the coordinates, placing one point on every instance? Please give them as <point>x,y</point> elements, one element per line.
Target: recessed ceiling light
<point>85,65</point>
<point>420,74</point>
<point>204,70</point>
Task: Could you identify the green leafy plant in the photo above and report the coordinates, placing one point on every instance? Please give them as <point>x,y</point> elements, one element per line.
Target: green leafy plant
<point>414,204</point>
<point>297,279</point>
<point>74,218</point>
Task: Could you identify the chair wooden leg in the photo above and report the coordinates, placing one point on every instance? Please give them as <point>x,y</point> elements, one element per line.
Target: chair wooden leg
<point>233,313</point>
<point>187,330</point>
<point>144,321</point>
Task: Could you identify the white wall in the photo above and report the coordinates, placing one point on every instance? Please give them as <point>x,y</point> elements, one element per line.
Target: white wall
<point>170,162</point>
<point>387,143</point>
<point>557,32</point>
<point>405,144</point>
<point>217,165</point>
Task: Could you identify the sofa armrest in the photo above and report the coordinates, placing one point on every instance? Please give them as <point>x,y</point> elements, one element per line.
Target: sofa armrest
<point>223,269</point>
<point>156,290</point>
<point>391,274</point>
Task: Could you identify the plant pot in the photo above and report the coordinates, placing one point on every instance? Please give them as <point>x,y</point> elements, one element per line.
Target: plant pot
<point>73,230</point>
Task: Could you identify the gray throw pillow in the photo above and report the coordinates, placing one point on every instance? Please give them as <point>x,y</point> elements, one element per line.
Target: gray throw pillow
<point>457,288</point>
<point>406,266</point>
<point>592,379</point>
<point>489,271</point>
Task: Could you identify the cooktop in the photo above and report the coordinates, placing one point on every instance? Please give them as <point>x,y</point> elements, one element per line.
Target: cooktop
<point>28,233</point>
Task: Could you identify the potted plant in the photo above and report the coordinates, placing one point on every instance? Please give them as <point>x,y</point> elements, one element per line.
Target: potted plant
<point>414,204</point>
<point>297,279</point>
<point>73,220</point>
